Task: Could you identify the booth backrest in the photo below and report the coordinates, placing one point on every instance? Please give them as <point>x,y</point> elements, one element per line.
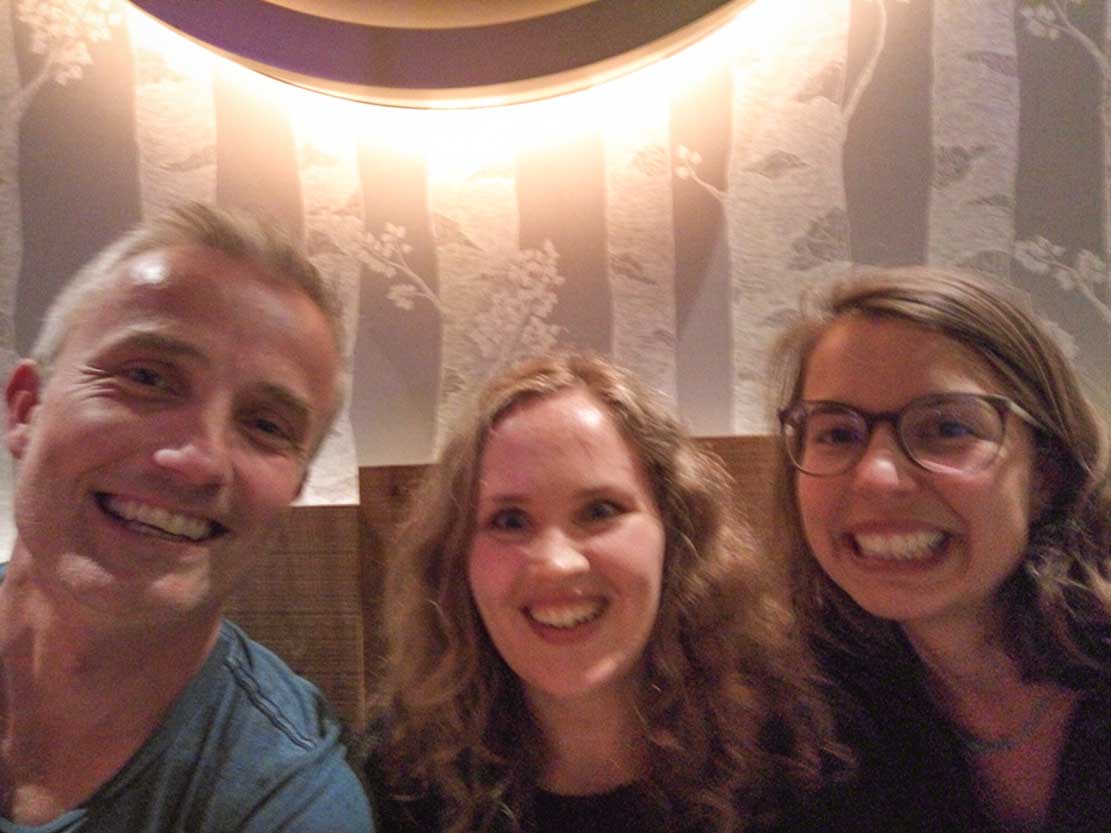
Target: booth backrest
<point>314,599</point>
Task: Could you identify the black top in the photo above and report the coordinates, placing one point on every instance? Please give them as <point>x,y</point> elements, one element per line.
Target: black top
<point>623,810</point>
<point>916,776</point>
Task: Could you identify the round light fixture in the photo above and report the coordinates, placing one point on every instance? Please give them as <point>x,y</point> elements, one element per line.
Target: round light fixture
<point>445,53</point>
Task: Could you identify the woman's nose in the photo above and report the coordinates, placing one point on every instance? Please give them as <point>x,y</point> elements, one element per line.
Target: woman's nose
<point>556,552</point>
<point>884,465</point>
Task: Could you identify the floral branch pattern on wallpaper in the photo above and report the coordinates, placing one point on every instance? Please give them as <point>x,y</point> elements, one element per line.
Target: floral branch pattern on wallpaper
<point>1088,273</point>
<point>509,324</point>
<point>61,32</point>
<point>499,315</point>
<point>513,325</point>
<point>386,254</point>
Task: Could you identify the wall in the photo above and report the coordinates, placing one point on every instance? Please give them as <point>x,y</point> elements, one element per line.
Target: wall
<point>669,219</point>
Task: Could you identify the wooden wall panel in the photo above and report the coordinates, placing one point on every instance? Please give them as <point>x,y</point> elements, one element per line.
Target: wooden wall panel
<point>383,496</point>
<point>304,602</point>
<point>751,461</point>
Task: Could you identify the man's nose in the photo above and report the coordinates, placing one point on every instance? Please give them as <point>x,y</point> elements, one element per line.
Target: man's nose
<point>199,452</point>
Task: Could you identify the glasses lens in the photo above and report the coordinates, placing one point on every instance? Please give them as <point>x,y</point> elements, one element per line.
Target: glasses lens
<point>953,433</point>
<point>826,439</point>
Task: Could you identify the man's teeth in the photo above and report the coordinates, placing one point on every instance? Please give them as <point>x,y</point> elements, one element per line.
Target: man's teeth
<point>906,547</point>
<point>567,615</point>
<point>153,516</point>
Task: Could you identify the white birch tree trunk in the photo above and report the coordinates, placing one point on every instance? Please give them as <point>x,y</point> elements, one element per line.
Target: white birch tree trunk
<point>333,228</point>
<point>975,109</point>
<point>474,211</point>
<point>641,246</point>
<point>175,121</point>
<point>785,204</point>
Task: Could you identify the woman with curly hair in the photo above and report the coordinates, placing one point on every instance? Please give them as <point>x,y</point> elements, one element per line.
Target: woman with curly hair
<point>579,635</point>
<point>946,513</point>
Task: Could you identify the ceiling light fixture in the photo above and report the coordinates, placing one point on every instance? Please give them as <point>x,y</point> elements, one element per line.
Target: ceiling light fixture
<point>445,53</point>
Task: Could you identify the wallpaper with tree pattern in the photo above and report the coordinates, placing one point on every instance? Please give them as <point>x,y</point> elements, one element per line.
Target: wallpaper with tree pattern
<point>826,133</point>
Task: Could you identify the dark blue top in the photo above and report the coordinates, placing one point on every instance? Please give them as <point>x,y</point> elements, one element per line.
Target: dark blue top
<point>248,746</point>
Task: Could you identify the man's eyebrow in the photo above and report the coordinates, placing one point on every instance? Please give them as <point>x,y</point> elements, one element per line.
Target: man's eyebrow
<point>159,342</point>
<point>288,399</point>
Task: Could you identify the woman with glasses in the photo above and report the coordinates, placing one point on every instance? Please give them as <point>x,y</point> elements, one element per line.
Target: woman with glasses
<point>580,637</point>
<point>947,521</point>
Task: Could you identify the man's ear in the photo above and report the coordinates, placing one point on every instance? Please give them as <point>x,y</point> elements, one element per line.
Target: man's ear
<point>22,396</point>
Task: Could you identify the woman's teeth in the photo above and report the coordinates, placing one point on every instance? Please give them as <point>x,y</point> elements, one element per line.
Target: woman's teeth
<point>903,547</point>
<point>567,615</point>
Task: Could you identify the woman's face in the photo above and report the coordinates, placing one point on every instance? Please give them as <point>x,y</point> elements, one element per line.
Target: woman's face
<point>907,544</point>
<point>567,558</point>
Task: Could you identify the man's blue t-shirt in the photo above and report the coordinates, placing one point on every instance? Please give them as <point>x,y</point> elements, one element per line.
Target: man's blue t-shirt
<point>247,747</point>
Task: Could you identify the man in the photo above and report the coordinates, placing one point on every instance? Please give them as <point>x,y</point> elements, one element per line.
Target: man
<point>178,390</point>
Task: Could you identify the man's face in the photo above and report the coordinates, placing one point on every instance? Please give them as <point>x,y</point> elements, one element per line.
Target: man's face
<point>174,430</point>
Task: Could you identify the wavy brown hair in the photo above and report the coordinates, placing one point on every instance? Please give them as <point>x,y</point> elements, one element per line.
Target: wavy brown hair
<point>1057,606</point>
<point>724,699</point>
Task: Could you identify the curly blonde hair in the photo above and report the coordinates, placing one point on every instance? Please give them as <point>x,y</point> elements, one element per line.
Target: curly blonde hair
<point>1058,605</point>
<point>725,698</point>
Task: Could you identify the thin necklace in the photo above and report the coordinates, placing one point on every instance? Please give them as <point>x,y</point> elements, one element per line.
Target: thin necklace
<point>979,746</point>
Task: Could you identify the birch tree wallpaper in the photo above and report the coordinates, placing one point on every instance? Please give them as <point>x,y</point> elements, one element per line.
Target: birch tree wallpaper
<point>668,219</point>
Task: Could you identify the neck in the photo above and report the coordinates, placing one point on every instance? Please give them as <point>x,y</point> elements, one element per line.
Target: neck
<point>980,687</point>
<point>964,653</point>
<point>64,674</point>
<point>594,744</point>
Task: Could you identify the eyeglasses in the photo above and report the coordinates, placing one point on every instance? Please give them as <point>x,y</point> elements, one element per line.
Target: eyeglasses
<point>945,433</point>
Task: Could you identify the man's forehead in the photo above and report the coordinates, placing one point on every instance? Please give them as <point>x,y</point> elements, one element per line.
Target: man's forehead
<point>178,300</point>
<point>151,269</point>
<point>183,266</point>
<point>197,275</point>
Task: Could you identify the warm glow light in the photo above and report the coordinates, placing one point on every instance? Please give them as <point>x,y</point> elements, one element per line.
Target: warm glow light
<point>445,54</point>
<point>466,139</point>
<point>185,56</point>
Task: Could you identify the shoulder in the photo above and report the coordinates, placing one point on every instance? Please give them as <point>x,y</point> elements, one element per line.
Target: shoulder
<point>268,696</point>
<point>272,752</point>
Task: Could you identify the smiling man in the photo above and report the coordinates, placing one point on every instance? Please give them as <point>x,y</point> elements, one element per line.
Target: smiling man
<point>179,388</point>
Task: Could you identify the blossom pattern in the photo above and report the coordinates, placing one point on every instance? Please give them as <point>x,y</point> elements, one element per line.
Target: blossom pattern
<point>61,32</point>
<point>1087,274</point>
<point>513,325</point>
<point>510,326</point>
